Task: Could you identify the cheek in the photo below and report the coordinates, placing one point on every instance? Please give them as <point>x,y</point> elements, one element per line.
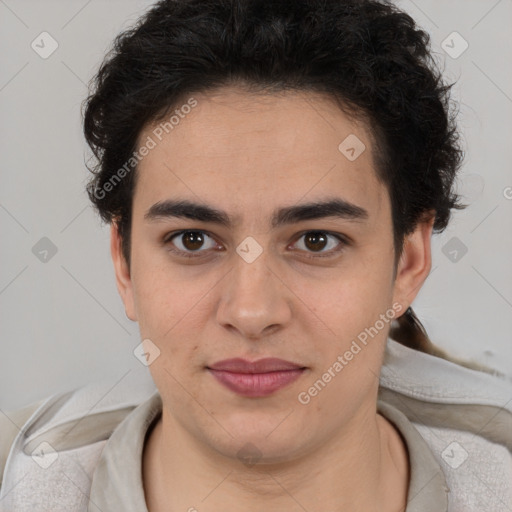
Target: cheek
<point>173,308</point>
<point>347,369</point>
<point>164,293</point>
<point>350,299</point>
<point>351,306</point>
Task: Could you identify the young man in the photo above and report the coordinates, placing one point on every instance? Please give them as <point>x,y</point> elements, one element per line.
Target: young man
<point>273,173</point>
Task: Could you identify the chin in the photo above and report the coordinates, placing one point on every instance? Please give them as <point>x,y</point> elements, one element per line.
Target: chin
<point>264,441</point>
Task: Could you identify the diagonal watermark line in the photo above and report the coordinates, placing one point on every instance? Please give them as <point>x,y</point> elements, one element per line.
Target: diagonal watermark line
<point>493,287</point>
<point>13,279</point>
<point>280,423</point>
<point>96,300</point>
<point>177,177</point>
<point>492,490</point>
<point>412,498</point>
<point>492,81</point>
<point>424,13</point>
<point>14,76</point>
<point>492,211</point>
<point>287,492</point>
<point>83,493</point>
<point>318,112</point>
<point>90,410</point>
<point>500,409</point>
<point>75,15</point>
<point>486,14</point>
<point>431,272</point>
<point>74,218</point>
<point>10,490</point>
<point>74,73</point>
<point>14,218</point>
<point>217,486</point>
<point>334,334</point>
<point>200,404</point>
<point>23,432</point>
<point>19,19</point>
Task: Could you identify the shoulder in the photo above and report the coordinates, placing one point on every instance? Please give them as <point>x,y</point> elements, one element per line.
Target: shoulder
<point>442,393</point>
<point>465,417</point>
<point>77,421</point>
<point>11,423</point>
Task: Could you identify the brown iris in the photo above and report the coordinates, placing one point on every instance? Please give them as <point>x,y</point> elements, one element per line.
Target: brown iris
<point>192,240</point>
<point>315,241</point>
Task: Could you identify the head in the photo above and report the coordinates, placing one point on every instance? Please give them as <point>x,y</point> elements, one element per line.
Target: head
<point>273,178</point>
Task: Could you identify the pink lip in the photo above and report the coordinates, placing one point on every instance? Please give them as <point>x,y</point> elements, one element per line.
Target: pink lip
<point>257,378</point>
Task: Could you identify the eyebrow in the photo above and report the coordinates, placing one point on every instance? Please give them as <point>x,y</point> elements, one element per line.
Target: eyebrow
<point>336,207</point>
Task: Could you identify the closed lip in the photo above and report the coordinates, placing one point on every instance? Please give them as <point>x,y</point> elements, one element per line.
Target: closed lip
<point>265,365</point>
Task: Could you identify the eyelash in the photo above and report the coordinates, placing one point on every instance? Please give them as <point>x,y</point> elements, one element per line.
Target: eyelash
<point>343,242</point>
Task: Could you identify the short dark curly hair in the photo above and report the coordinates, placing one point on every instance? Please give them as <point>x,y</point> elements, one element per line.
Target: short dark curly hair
<point>366,54</point>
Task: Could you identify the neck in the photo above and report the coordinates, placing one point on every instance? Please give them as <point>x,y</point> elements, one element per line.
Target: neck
<point>365,467</point>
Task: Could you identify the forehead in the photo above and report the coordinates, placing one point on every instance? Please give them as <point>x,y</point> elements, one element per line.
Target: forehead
<point>240,150</point>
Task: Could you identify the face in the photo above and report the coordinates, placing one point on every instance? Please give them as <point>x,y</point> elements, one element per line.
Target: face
<point>263,270</point>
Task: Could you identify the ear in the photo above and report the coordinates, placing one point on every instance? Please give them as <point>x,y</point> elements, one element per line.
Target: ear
<point>414,265</point>
<point>122,272</point>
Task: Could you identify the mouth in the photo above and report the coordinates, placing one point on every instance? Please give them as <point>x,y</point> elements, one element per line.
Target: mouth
<point>258,378</point>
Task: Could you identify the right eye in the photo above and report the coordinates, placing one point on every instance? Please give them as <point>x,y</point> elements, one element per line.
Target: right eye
<point>189,243</point>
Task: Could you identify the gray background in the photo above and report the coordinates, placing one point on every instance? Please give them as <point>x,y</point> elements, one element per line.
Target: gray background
<point>62,322</point>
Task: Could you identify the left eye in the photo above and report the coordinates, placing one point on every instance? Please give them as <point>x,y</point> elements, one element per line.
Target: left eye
<point>317,241</point>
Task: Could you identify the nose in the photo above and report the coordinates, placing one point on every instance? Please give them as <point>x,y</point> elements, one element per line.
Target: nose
<point>254,300</point>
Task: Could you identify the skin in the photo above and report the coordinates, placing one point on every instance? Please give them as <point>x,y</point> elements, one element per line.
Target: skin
<point>249,154</point>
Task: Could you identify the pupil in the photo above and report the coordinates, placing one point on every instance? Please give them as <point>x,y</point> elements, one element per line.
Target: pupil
<point>312,239</point>
<point>192,240</point>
